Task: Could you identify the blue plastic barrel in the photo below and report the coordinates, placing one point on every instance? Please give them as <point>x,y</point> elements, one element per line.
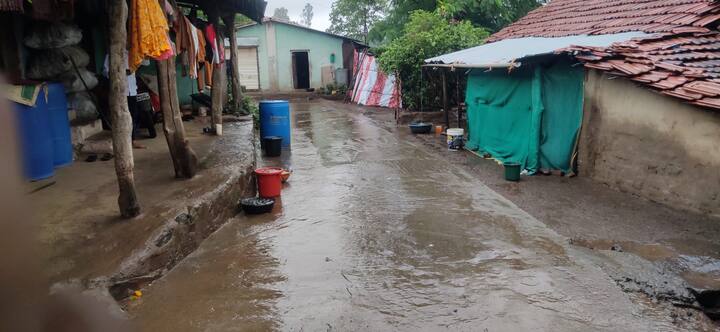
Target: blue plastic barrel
<point>275,119</point>
<point>59,125</point>
<point>34,135</point>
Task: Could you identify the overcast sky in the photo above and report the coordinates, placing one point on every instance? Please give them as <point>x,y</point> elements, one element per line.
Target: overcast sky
<point>321,11</point>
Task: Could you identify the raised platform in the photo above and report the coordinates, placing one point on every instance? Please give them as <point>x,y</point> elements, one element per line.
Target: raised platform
<point>85,240</point>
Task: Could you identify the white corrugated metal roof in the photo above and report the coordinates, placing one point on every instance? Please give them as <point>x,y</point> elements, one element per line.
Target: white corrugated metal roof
<point>504,52</point>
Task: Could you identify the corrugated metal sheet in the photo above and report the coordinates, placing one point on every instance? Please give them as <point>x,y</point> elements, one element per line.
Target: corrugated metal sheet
<point>373,87</point>
<point>505,52</point>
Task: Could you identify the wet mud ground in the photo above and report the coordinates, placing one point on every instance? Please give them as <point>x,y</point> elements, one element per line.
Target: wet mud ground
<point>376,232</point>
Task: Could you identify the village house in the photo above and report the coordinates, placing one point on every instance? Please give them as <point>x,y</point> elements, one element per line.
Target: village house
<point>625,93</point>
<point>283,56</point>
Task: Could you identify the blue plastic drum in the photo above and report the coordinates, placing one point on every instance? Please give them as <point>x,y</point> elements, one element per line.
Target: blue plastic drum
<point>59,125</point>
<point>35,139</point>
<point>275,120</point>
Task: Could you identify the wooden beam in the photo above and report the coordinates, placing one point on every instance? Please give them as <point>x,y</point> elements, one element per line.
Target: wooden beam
<point>219,76</point>
<point>234,63</point>
<point>445,99</point>
<point>219,85</point>
<point>119,113</point>
<point>457,99</point>
<point>183,157</point>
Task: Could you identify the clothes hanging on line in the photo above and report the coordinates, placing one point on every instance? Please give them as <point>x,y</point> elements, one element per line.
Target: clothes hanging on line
<point>148,33</point>
<point>213,37</point>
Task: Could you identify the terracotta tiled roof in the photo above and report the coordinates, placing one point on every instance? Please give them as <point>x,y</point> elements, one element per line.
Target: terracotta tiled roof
<point>597,17</point>
<point>685,66</point>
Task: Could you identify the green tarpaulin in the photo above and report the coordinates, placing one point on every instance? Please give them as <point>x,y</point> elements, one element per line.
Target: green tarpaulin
<point>530,115</point>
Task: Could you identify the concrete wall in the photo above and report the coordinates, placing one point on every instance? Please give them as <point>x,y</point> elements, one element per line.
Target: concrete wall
<point>277,41</point>
<point>652,145</point>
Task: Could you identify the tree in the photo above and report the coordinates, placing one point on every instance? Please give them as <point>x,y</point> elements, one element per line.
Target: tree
<point>281,14</point>
<point>307,15</point>
<point>427,34</point>
<point>355,18</point>
<point>492,15</point>
<point>392,25</point>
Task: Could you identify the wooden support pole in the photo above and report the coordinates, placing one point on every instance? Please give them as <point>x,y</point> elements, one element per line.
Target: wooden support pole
<point>183,157</point>
<point>457,99</point>
<point>234,63</point>
<point>119,113</point>
<point>219,83</point>
<point>445,99</point>
<point>219,86</point>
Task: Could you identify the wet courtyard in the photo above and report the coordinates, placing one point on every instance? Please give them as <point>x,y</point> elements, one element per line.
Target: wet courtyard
<point>375,232</point>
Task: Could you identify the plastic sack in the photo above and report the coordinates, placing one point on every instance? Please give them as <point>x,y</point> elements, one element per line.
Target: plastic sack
<point>51,64</point>
<point>82,103</point>
<point>42,36</point>
<point>72,82</point>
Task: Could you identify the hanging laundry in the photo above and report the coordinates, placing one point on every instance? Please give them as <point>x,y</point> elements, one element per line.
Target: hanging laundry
<point>218,54</point>
<point>202,62</point>
<point>186,46</point>
<point>148,33</point>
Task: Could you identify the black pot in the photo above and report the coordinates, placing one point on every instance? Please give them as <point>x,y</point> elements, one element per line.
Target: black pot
<point>256,205</point>
<point>420,128</point>
<point>272,145</point>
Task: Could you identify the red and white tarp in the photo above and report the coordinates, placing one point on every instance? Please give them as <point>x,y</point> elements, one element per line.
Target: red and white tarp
<point>372,86</point>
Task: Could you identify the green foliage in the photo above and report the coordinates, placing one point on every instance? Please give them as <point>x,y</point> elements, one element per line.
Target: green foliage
<point>334,89</point>
<point>249,106</point>
<point>307,15</point>
<point>241,19</point>
<point>281,14</point>
<point>425,35</point>
<point>492,15</point>
<point>392,26</point>
<point>354,18</point>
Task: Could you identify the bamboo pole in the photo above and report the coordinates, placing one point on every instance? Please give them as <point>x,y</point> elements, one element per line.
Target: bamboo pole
<point>183,157</point>
<point>119,113</point>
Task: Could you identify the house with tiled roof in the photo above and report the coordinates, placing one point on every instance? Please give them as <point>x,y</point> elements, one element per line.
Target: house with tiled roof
<point>626,92</point>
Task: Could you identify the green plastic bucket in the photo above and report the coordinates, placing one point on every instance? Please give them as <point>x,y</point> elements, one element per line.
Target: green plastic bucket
<point>512,171</point>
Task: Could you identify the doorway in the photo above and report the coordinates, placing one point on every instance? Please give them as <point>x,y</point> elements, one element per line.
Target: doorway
<point>301,70</point>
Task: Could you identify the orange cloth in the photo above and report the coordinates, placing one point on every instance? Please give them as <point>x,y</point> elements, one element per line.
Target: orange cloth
<point>148,33</point>
<point>205,80</point>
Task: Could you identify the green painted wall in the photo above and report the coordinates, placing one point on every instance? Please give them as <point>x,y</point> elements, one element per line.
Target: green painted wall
<point>320,47</point>
<point>185,85</point>
<point>289,38</point>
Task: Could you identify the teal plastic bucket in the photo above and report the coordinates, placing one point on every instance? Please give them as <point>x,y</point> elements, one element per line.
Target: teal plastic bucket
<point>512,171</point>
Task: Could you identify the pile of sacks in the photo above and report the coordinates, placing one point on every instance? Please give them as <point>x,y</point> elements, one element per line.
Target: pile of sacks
<point>55,56</point>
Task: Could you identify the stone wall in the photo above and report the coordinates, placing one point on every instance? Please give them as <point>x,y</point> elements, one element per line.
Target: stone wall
<point>639,141</point>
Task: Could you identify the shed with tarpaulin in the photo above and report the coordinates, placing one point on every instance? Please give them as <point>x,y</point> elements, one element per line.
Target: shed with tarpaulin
<point>626,93</point>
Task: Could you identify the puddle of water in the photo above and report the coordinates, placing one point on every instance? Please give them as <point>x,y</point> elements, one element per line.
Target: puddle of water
<point>651,252</point>
<point>375,233</point>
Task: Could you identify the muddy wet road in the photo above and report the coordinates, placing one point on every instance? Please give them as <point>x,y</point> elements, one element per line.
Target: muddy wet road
<point>376,233</point>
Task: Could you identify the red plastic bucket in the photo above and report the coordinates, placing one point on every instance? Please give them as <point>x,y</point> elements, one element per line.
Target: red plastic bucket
<point>269,181</point>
